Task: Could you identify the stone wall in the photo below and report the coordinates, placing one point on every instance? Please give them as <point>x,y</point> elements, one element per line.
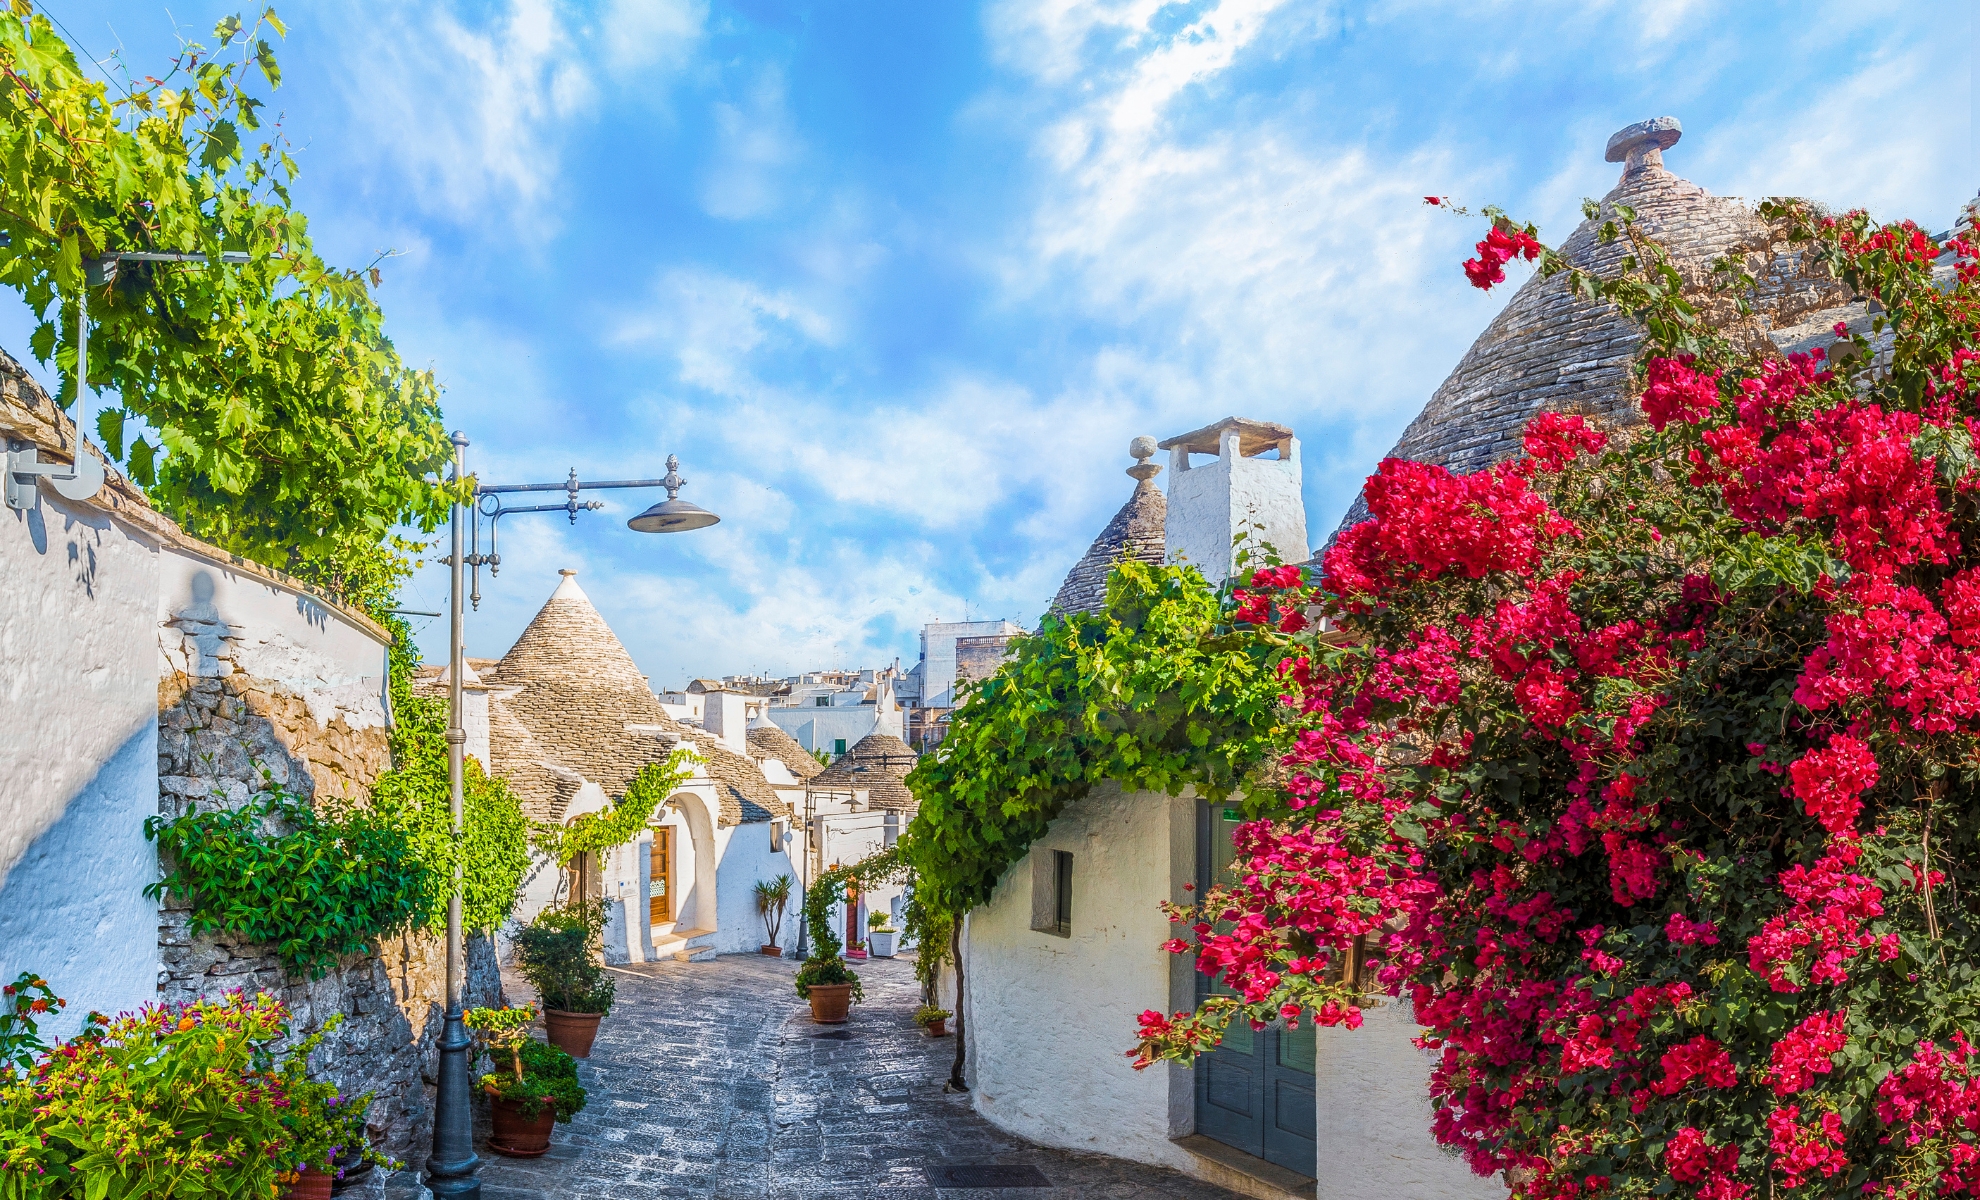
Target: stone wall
<point>224,735</point>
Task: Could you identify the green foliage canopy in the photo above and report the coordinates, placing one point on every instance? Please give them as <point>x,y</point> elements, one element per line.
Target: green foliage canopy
<point>287,428</point>
<point>1155,692</point>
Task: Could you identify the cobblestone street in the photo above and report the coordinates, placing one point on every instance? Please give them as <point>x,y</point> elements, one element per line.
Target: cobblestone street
<point>710,1080</point>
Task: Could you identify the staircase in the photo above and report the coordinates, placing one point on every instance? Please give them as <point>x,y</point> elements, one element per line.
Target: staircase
<point>685,945</point>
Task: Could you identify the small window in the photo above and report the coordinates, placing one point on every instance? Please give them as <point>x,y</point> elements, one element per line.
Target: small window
<point>821,702</point>
<point>1051,892</point>
<point>892,827</point>
<point>838,746</point>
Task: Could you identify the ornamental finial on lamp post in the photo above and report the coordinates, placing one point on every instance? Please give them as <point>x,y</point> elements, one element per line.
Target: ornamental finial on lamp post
<point>1641,146</point>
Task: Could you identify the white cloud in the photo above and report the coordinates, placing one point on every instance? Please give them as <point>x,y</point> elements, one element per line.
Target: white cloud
<point>754,143</point>
<point>642,35</point>
<point>476,112</point>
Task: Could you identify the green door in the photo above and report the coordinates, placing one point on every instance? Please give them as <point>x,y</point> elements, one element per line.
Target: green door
<point>1254,1092</point>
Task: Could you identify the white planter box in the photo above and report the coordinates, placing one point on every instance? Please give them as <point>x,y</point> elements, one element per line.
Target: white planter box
<point>882,941</point>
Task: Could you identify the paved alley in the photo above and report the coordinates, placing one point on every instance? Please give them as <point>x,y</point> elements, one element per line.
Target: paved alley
<point>710,1080</point>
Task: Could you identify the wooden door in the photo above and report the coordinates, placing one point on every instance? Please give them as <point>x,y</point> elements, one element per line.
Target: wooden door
<point>1255,1091</point>
<point>660,871</point>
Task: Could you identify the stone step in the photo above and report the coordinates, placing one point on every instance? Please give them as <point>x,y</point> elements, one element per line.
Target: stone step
<point>686,945</point>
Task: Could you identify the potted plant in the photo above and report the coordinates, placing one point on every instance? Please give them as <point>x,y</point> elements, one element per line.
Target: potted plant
<point>831,987</point>
<point>327,1143</point>
<point>825,980</point>
<point>934,1020</point>
<point>557,953</point>
<point>772,897</point>
<point>857,950</point>
<point>881,936</point>
<point>533,1086</point>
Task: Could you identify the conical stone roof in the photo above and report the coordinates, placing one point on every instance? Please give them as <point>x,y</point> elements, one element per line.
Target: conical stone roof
<point>1137,532</point>
<point>1549,350</point>
<point>767,740</point>
<point>569,685</point>
<point>885,760</point>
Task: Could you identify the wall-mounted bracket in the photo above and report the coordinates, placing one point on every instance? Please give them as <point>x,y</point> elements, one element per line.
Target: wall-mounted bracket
<point>77,481</point>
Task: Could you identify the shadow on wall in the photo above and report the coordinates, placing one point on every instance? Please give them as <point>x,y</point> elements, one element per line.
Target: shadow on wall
<point>72,904</point>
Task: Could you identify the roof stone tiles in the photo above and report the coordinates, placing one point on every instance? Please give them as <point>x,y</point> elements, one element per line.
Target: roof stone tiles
<point>1136,532</point>
<point>769,741</point>
<point>567,699</point>
<point>886,760</point>
<point>1550,350</point>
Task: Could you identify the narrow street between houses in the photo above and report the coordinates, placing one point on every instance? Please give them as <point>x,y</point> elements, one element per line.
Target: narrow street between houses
<point>711,1080</point>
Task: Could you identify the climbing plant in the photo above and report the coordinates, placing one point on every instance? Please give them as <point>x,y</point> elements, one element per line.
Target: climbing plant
<point>415,797</point>
<point>260,404</point>
<point>592,833</point>
<point>824,964</point>
<point>275,872</point>
<point>1158,691</point>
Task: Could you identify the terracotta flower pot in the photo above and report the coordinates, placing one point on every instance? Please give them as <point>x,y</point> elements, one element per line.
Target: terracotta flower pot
<point>938,1027</point>
<point>829,1002</point>
<point>571,1032</point>
<point>314,1184</point>
<point>772,951</point>
<point>518,1136</point>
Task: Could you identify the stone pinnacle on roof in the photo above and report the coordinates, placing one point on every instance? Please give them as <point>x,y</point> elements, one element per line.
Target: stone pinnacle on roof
<point>1137,532</point>
<point>1643,144</point>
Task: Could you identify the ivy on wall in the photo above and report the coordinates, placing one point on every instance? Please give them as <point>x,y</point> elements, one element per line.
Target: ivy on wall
<point>415,796</point>
<point>593,833</point>
<point>1156,691</point>
<point>275,872</point>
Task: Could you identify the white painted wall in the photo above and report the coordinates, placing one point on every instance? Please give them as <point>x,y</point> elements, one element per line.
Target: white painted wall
<point>1372,1089</point>
<point>1049,1019</point>
<point>79,596</point>
<point>1210,503</point>
<point>747,858</point>
<point>218,619</point>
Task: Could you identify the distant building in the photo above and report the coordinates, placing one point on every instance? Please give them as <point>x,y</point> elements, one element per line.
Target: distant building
<point>951,651</point>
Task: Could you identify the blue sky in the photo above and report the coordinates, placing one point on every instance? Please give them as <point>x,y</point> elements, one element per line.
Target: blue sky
<point>899,280</point>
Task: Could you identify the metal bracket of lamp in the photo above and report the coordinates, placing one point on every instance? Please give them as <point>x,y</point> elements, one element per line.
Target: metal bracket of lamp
<point>83,478</point>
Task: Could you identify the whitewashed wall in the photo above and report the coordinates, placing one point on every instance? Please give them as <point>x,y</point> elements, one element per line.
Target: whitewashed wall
<point>746,858</point>
<point>78,756</point>
<point>1049,1019</point>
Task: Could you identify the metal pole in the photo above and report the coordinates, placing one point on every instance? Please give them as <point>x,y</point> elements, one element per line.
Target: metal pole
<point>450,1171</point>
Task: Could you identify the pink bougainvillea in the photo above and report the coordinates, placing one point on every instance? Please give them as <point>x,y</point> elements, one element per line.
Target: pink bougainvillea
<point>1640,766</point>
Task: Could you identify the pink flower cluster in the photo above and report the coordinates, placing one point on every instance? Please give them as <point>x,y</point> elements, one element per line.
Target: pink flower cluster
<point>1500,247</point>
<point>1691,1159</point>
<point>1823,929</point>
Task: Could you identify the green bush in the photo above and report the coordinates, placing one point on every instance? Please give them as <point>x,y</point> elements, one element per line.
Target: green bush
<point>557,953</point>
<point>527,1072</point>
<point>192,1100</point>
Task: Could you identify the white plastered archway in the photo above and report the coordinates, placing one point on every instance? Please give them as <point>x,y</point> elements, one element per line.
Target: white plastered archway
<point>699,891</point>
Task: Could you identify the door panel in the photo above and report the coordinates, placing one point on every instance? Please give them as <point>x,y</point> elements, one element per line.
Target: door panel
<point>1255,1091</point>
<point>660,873</point>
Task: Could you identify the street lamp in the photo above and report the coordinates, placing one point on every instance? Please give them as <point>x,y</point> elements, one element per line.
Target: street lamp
<point>450,1169</point>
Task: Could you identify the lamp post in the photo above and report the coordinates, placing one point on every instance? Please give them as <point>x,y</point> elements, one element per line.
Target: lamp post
<point>450,1169</point>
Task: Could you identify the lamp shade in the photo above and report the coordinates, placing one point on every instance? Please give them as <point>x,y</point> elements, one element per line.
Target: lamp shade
<point>672,516</point>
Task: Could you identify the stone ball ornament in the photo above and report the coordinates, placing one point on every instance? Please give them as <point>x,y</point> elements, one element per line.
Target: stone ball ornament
<point>1142,447</point>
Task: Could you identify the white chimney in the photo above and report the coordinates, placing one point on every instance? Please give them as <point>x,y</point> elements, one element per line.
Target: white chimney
<point>1239,491</point>
<point>723,714</point>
